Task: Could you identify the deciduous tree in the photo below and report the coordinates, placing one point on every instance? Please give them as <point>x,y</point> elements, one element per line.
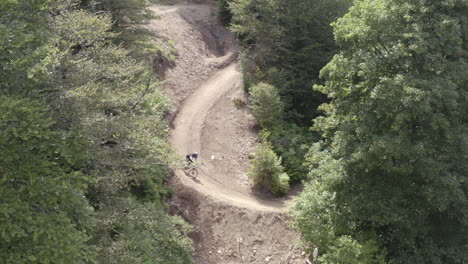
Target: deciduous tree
<point>391,168</point>
<point>44,215</point>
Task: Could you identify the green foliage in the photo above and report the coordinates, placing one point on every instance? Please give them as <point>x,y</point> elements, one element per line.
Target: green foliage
<point>291,142</point>
<point>288,140</point>
<point>318,216</point>
<point>172,52</point>
<point>102,140</point>
<point>44,216</point>
<point>128,16</point>
<point>390,167</point>
<point>286,43</point>
<point>239,103</point>
<point>246,66</point>
<point>280,185</point>
<point>266,171</point>
<point>290,41</point>
<point>266,105</point>
<point>345,250</point>
<point>224,14</point>
<point>132,232</point>
<point>22,25</point>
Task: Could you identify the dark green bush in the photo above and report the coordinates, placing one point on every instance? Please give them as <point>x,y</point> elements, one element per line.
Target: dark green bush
<point>266,170</point>
<point>224,13</point>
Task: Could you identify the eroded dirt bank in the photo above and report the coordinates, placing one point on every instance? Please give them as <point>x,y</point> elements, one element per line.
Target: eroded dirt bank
<point>231,223</point>
<point>225,234</point>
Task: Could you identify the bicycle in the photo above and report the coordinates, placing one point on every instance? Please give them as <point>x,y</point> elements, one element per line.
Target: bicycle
<point>190,169</point>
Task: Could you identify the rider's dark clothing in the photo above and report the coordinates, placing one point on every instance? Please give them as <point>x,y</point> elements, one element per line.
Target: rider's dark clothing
<point>189,157</point>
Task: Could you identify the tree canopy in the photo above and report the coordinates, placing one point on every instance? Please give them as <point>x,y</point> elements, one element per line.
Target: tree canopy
<point>285,44</point>
<point>83,139</point>
<point>288,41</point>
<point>389,175</point>
<point>45,215</point>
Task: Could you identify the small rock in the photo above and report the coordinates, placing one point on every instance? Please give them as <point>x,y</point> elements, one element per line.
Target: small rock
<point>267,259</point>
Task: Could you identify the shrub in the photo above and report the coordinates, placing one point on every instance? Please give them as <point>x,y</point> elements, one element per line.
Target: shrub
<point>224,13</point>
<point>238,103</point>
<point>290,142</point>
<point>346,250</point>
<point>266,170</point>
<point>247,69</point>
<point>266,105</point>
<point>281,184</point>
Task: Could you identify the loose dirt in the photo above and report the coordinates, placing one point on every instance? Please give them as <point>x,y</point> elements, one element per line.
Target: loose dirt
<point>232,224</point>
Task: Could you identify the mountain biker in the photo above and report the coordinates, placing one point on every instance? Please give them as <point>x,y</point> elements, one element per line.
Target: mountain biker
<point>191,157</point>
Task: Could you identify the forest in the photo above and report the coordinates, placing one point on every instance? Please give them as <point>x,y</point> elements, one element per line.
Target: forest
<point>364,102</point>
<point>372,101</point>
<point>83,149</point>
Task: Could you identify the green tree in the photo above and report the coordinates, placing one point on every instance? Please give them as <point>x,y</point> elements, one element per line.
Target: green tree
<point>22,25</point>
<point>286,43</point>
<point>44,215</point>
<point>106,138</point>
<point>266,105</point>
<point>141,233</point>
<point>291,142</point>
<point>224,13</point>
<point>391,165</point>
<point>128,16</point>
<point>290,41</point>
<point>266,170</point>
<point>116,107</point>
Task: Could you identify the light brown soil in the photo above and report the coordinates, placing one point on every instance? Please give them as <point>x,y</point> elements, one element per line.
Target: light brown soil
<point>232,223</point>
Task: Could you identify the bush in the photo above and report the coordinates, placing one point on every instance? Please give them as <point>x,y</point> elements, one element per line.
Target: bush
<point>266,170</point>
<point>290,143</point>
<point>281,184</point>
<point>266,105</point>
<point>248,76</point>
<point>346,250</point>
<point>238,103</point>
<point>224,13</point>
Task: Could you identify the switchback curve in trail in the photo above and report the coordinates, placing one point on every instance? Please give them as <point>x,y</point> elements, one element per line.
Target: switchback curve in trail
<point>186,137</point>
<point>202,83</point>
<point>231,224</point>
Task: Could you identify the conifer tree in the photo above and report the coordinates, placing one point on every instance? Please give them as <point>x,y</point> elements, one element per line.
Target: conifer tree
<point>266,105</point>
<point>82,129</point>
<point>266,170</point>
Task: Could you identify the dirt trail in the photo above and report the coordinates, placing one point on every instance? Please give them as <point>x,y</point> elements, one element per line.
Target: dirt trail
<point>231,223</point>
<point>186,138</point>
